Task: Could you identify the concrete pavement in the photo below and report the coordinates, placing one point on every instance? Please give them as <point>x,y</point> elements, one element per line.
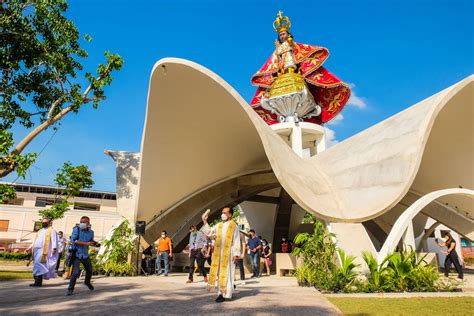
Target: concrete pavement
<point>162,295</point>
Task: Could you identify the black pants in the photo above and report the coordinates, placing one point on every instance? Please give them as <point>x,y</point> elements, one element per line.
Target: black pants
<point>453,258</point>
<point>59,262</point>
<point>196,255</point>
<point>76,271</point>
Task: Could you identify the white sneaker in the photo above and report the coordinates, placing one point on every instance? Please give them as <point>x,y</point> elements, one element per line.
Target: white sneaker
<point>243,283</point>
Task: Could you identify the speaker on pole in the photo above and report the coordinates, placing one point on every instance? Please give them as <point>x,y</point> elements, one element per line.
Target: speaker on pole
<point>140,228</point>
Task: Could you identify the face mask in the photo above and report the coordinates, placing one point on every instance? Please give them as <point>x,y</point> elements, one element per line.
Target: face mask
<point>82,225</point>
<point>264,244</point>
<point>224,217</point>
<point>45,225</point>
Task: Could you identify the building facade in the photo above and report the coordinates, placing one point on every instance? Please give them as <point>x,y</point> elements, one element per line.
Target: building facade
<point>19,218</point>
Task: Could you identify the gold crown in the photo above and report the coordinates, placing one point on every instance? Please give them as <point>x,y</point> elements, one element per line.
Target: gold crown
<point>281,23</point>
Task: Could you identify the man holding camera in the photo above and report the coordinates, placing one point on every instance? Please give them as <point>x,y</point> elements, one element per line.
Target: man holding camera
<point>82,237</point>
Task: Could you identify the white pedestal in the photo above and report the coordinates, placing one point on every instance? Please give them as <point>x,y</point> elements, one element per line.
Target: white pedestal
<point>302,136</point>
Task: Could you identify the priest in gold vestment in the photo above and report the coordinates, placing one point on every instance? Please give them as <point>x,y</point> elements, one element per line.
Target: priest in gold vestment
<point>227,249</point>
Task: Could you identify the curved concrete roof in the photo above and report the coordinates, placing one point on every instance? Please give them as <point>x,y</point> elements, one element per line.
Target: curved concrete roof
<point>199,131</point>
<point>195,136</point>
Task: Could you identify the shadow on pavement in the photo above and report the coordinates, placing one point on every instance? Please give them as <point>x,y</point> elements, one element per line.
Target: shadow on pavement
<point>136,297</point>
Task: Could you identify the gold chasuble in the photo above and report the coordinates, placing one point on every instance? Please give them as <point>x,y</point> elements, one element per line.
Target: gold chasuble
<point>227,245</point>
<point>220,262</point>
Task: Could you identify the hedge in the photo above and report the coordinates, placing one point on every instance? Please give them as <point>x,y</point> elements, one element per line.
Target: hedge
<point>14,256</point>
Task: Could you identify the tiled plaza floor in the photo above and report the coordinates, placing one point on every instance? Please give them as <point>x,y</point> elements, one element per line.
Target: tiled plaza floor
<point>162,295</point>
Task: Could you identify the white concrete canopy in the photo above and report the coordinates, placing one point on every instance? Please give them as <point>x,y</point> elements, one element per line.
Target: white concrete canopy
<point>199,131</point>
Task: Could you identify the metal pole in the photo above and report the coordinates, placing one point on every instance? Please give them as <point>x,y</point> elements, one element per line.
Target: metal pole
<point>138,254</point>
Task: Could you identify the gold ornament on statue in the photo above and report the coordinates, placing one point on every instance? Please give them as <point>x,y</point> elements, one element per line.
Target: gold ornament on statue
<point>281,23</point>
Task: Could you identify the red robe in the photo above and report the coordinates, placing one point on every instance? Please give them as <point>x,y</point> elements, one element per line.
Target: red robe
<point>328,91</point>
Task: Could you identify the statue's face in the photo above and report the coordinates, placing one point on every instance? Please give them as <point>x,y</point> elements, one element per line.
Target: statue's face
<point>283,36</point>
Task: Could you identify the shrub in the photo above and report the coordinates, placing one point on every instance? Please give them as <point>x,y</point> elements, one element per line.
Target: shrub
<point>14,256</point>
<point>345,274</point>
<point>115,260</point>
<point>318,253</point>
<point>403,272</point>
<point>378,278</point>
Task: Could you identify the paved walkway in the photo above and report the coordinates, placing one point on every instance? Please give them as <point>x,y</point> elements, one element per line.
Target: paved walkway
<point>162,295</point>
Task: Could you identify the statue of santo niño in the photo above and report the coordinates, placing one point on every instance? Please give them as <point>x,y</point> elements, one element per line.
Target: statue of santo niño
<point>294,72</point>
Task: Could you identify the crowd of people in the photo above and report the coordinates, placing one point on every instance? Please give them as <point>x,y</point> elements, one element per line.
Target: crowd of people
<point>224,246</point>
<point>200,248</point>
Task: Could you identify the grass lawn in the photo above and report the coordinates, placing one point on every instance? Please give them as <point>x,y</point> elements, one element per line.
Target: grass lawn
<point>405,306</point>
<point>15,275</point>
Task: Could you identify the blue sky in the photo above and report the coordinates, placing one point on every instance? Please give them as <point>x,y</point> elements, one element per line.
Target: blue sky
<point>394,53</point>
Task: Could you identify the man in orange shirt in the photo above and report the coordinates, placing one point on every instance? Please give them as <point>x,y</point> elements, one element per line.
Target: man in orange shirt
<point>164,250</point>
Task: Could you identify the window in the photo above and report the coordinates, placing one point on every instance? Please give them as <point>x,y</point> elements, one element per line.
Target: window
<point>86,206</point>
<point>37,226</point>
<point>44,201</point>
<point>16,202</point>
<point>4,225</point>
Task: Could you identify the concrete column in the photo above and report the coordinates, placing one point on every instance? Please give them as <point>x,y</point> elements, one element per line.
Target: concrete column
<point>409,237</point>
<point>297,140</point>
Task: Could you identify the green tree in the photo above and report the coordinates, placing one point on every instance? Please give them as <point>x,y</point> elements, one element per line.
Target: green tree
<point>42,78</point>
<point>70,181</point>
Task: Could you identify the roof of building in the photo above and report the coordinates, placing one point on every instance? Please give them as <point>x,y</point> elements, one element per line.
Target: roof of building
<point>47,189</point>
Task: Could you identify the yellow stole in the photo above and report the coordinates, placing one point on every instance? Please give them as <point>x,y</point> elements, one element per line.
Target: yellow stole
<point>47,240</point>
<point>219,263</point>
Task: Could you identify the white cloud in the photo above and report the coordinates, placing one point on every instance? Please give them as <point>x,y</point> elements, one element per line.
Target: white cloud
<point>355,100</point>
<point>330,136</point>
<point>336,120</point>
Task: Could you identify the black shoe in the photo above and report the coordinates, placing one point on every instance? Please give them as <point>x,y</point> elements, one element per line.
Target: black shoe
<point>69,293</point>
<point>220,299</point>
<point>90,286</point>
<point>38,281</point>
<point>235,287</point>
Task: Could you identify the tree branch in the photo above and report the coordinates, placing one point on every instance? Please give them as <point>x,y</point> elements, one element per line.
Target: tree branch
<point>55,105</point>
<point>57,78</point>
<point>50,121</point>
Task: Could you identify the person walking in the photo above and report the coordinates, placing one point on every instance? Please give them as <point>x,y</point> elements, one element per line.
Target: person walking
<point>197,240</point>
<point>81,238</point>
<point>265,260</point>
<point>254,245</point>
<point>44,253</point>
<point>164,251</point>
<point>225,255</point>
<point>61,248</point>
<point>451,256</point>
<point>240,261</point>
